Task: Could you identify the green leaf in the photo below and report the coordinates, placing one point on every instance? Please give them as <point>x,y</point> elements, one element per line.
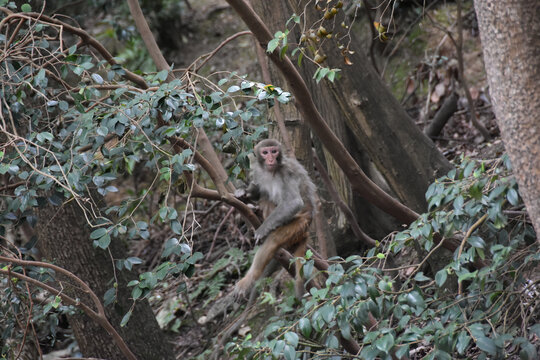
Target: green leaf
<point>385,343</point>
<point>171,247</point>
<point>104,241</point>
<point>284,97</point>
<point>163,213</point>
<point>512,196</point>
<point>466,275</point>
<point>57,302</point>
<point>385,285</point>
<point>136,293</point>
<point>528,351</point>
<point>26,8</point>
<point>477,242</point>
<point>233,89</point>
<point>125,319</point>
<point>45,136</point>
<point>402,351</point>
<point>414,298</point>
<point>535,329</point>
<point>109,297</point>
<point>458,204</point>
<point>327,312</point>
<point>96,234</point>
<point>305,327</point>
<point>277,351</point>
<point>332,342</point>
<point>97,78</point>
<point>272,45</point>
<point>162,75</point>
<point>63,105</point>
<point>129,262</point>
<point>176,227</point>
<point>291,338</point>
<point>102,131</point>
<point>486,344</point>
<point>369,353</point>
<point>283,51</point>
<point>442,355</point>
<point>463,342</point>
<point>289,352</point>
<point>469,168</point>
<point>421,277</point>
<point>72,49</point>
<point>300,58</point>
<point>440,277</point>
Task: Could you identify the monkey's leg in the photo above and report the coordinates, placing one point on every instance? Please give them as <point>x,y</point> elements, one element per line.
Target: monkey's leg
<point>287,234</point>
<point>261,259</point>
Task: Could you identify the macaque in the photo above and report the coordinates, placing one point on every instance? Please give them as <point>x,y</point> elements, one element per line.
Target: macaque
<point>286,196</point>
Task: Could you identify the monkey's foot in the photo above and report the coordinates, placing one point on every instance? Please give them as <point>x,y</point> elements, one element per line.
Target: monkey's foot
<point>242,287</point>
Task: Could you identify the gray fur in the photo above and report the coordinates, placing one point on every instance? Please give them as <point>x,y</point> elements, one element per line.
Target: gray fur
<point>289,188</point>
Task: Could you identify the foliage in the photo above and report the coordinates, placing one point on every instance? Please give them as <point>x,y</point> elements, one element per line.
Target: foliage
<point>420,314</point>
<point>208,290</point>
<point>312,36</point>
<point>71,121</point>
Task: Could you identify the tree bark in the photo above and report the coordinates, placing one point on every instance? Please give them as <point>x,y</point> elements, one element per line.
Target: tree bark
<point>510,33</point>
<point>64,239</point>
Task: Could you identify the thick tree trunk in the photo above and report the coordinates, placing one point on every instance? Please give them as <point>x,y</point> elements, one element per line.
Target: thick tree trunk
<point>510,32</point>
<point>408,160</point>
<point>64,239</point>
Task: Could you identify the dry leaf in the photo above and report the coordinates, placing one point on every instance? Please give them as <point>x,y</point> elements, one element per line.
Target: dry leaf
<point>410,85</point>
<point>474,92</point>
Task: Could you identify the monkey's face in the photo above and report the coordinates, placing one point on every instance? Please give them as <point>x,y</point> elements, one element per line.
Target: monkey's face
<point>270,157</point>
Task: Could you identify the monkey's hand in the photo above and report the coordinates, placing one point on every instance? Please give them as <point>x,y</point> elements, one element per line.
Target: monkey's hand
<point>260,233</point>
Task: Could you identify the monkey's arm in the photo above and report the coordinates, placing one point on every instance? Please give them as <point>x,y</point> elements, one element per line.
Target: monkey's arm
<point>253,191</point>
<point>290,205</point>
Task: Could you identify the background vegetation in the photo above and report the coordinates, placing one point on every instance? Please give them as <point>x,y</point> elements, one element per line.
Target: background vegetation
<point>126,136</point>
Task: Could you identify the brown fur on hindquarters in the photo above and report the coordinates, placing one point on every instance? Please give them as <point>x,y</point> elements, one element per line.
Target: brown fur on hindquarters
<point>293,234</point>
<point>286,195</point>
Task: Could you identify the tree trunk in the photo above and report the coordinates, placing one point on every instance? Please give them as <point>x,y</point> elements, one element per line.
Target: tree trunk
<point>64,239</point>
<point>510,33</point>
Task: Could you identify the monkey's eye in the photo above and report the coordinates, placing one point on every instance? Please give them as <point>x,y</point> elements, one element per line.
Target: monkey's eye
<point>264,152</point>
<point>274,151</point>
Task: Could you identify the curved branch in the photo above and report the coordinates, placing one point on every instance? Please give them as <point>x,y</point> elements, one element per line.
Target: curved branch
<point>84,286</point>
<point>228,198</point>
<point>99,317</point>
<point>85,37</point>
<point>148,37</point>
<point>304,102</point>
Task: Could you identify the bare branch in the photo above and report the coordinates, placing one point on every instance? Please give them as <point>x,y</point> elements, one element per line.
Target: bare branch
<point>99,316</point>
